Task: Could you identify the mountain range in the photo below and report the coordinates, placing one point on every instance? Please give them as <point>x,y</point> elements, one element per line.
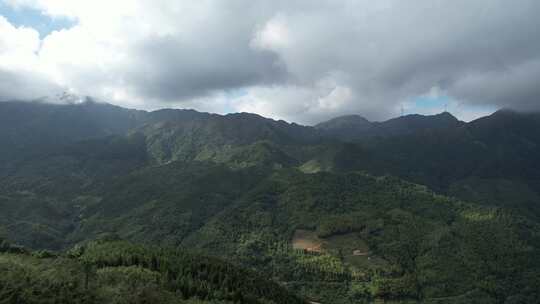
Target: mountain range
<point>420,209</point>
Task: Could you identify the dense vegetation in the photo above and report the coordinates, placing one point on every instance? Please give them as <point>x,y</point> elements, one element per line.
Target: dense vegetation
<point>423,246</point>
<point>109,271</point>
<point>317,212</point>
<point>494,160</point>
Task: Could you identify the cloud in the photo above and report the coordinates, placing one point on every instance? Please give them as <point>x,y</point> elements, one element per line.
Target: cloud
<point>274,35</point>
<point>516,86</point>
<point>309,105</point>
<point>22,75</point>
<point>297,60</point>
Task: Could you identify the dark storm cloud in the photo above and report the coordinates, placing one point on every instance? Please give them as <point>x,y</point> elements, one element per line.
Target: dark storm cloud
<point>481,51</point>
<point>299,60</point>
<point>20,85</point>
<point>169,69</point>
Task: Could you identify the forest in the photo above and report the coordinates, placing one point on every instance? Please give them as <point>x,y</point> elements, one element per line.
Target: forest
<point>178,206</point>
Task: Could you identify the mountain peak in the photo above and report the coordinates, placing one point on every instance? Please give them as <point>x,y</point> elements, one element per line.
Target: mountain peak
<point>416,122</point>
<point>346,121</point>
<point>443,115</point>
<point>446,114</point>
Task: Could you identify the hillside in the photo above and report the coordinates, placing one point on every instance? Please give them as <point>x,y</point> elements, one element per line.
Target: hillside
<point>414,240</point>
<point>109,271</point>
<point>418,208</point>
<point>486,160</point>
<point>417,245</point>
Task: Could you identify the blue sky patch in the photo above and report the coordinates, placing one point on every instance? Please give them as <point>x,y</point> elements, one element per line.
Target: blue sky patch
<point>428,102</point>
<point>35,19</point>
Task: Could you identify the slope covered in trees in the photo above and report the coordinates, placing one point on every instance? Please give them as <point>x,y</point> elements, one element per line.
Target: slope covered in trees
<point>422,246</point>
<point>248,189</point>
<point>109,271</point>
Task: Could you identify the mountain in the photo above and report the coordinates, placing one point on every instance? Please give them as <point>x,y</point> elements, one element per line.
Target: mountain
<point>415,123</point>
<point>349,127</point>
<point>29,128</point>
<point>216,136</point>
<point>355,127</point>
<point>344,122</point>
<point>492,160</point>
<point>424,209</point>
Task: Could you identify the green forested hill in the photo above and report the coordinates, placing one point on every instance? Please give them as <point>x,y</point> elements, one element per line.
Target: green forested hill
<point>109,271</point>
<point>415,209</point>
<point>421,246</point>
<point>494,160</point>
<point>31,128</point>
<point>418,245</point>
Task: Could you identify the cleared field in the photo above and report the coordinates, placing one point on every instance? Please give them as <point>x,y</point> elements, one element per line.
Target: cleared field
<point>348,243</point>
<point>308,240</point>
<point>354,250</point>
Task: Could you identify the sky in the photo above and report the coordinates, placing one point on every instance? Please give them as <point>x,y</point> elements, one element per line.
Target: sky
<point>298,60</point>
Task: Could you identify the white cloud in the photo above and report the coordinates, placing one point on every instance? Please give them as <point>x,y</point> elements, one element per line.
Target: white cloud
<point>22,74</point>
<point>274,35</point>
<point>307,105</point>
<point>298,60</point>
<point>18,46</point>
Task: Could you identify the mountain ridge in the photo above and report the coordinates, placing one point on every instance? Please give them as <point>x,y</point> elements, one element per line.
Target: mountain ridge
<point>417,209</point>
